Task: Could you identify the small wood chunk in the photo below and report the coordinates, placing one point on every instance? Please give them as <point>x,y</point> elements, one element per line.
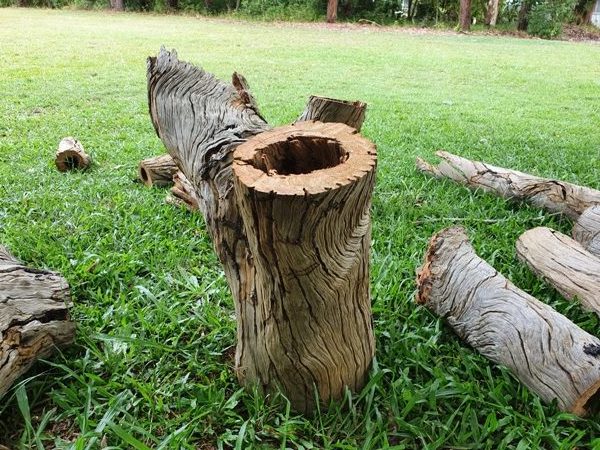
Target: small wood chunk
<point>183,193</point>
<point>157,171</point>
<point>564,263</point>
<point>71,156</point>
<point>546,351</point>
<point>586,230</point>
<point>326,109</point>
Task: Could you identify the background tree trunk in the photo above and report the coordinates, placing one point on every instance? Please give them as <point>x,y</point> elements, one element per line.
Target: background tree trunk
<point>523,19</point>
<point>546,351</point>
<point>491,14</point>
<point>118,5</point>
<point>465,15</point>
<point>332,10</point>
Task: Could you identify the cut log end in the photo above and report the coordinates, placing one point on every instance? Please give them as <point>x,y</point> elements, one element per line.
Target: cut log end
<point>157,171</point>
<point>71,156</point>
<point>589,402</point>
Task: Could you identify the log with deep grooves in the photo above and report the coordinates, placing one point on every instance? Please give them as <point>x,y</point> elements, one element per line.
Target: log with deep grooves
<point>554,195</point>
<point>157,171</point>
<point>34,317</point>
<point>304,192</point>
<point>564,263</point>
<point>326,109</point>
<point>71,156</point>
<point>586,230</point>
<point>546,351</point>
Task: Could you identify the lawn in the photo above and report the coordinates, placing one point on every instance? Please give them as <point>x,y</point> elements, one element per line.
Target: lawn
<point>152,363</point>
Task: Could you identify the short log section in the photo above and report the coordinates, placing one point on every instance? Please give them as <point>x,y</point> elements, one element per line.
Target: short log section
<point>157,171</point>
<point>554,195</point>
<point>304,193</point>
<point>546,351</point>
<point>71,156</point>
<point>326,109</point>
<point>586,230</point>
<point>564,263</point>
<point>34,317</point>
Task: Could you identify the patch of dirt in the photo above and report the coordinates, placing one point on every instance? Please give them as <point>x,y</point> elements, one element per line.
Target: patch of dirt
<point>581,33</point>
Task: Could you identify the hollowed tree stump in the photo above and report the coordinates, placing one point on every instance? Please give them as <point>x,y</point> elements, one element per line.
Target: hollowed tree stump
<point>71,156</point>
<point>304,194</point>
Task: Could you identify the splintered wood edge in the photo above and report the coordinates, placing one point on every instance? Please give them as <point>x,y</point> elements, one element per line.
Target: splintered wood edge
<point>362,159</point>
<point>584,406</point>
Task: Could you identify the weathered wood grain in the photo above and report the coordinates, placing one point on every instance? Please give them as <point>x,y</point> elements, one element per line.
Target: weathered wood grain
<point>157,171</point>
<point>34,317</point>
<point>183,193</point>
<point>564,263</point>
<point>71,155</point>
<point>587,230</point>
<point>546,351</point>
<point>553,195</point>
<point>304,192</point>
<point>325,109</point>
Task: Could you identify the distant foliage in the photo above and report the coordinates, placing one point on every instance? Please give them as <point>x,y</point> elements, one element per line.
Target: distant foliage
<point>547,17</point>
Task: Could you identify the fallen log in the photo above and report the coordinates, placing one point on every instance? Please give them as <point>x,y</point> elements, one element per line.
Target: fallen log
<point>71,156</point>
<point>326,109</point>
<point>553,195</point>
<point>157,171</point>
<point>304,193</point>
<point>546,351</point>
<point>586,230</point>
<point>564,263</point>
<point>201,121</point>
<point>34,317</point>
<point>183,193</point>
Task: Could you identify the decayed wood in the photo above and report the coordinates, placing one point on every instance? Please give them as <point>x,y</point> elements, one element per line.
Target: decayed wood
<point>34,317</point>
<point>71,156</point>
<point>551,355</point>
<point>183,193</point>
<point>201,120</point>
<point>157,171</point>
<point>587,230</point>
<point>304,192</point>
<point>564,263</point>
<point>326,109</point>
<point>555,196</point>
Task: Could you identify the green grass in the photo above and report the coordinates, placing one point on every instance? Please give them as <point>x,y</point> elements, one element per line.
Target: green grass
<point>152,363</point>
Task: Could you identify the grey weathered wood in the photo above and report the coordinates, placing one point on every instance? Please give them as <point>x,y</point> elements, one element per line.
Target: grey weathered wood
<point>34,317</point>
<point>546,351</point>
<point>183,193</point>
<point>304,192</point>
<point>157,171</point>
<point>326,109</point>
<point>564,263</point>
<point>553,195</point>
<point>71,155</point>
<point>201,121</point>
<point>587,229</point>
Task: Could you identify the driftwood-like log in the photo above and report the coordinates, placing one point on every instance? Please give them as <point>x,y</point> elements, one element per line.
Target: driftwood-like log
<point>34,318</point>
<point>553,195</point>
<point>157,171</point>
<point>183,193</point>
<point>586,230</point>
<point>201,121</point>
<point>71,156</point>
<point>546,351</point>
<point>304,192</point>
<point>326,109</point>
<point>564,263</point>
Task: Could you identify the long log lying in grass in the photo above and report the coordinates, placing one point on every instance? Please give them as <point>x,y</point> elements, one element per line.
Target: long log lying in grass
<point>587,230</point>
<point>34,318</point>
<point>553,195</point>
<point>564,263</point>
<point>546,351</point>
<point>157,171</point>
<point>201,121</point>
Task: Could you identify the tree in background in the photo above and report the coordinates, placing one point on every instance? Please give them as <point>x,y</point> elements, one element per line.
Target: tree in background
<point>464,23</point>
<point>491,14</point>
<point>332,10</point>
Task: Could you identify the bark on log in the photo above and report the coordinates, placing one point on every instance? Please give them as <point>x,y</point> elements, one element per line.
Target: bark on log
<point>587,230</point>
<point>201,120</point>
<point>554,195</point>
<point>157,171</point>
<point>34,317</point>
<point>564,263</point>
<point>548,353</point>
<point>71,156</point>
<point>183,193</point>
<point>304,192</point>
<point>326,109</point>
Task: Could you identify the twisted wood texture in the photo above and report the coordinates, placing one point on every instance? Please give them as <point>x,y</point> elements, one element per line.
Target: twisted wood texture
<point>547,352</point>
<point>553,195</point>
<point>587,230</point>
<point>33,317</point>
